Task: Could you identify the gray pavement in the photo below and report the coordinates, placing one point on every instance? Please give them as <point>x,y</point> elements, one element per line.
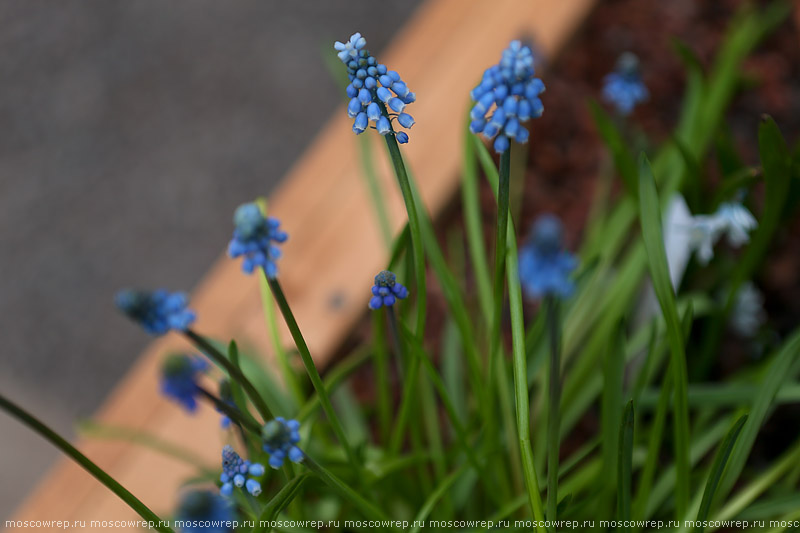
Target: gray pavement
<point>129,131</point>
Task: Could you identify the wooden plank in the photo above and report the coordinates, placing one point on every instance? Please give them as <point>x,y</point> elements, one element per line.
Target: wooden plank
<point>333,251</point>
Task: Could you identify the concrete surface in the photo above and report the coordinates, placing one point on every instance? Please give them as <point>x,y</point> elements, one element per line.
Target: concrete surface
<point>129,131</point>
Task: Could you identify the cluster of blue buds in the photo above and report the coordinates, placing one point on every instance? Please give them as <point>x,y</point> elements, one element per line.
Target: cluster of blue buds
<point>512,90</point>
<point>623,88</point>
<point>280,441</point>
<point>179,375</point>
<point>205,512</point>
<point>255,237</point>
<point>544,266</point>
<point>386,290</point>
<point>371,84</point>
<point>157,311</point>
<point>235,472</point>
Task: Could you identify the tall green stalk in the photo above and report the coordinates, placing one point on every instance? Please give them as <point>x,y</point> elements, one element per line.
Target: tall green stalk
<point>233,371</point>
<point>554,416</point>
<point>417,245</point>
<point>313,374</point>
<point>499,258</point>
<point>521,384</point>
<point>87,464</point>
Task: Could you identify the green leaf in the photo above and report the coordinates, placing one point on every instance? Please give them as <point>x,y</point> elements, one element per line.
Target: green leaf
<point>612,403</point>
<point>279,502</point>
<point>650,216</point>
<point>778,373</point>
<point>625,467</point>
<point>720,461</point>
<point>617,145</point>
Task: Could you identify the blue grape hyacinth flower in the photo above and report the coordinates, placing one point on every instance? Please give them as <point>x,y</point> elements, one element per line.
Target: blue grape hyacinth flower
<point>236,472</point>
<point>255,237</point>
<point>205,512</point>
<point>157,311</point>
<point>511,91</point>
<point>623,88</point>
<point>377,95</point>
<point>386,291</point>
<point>179,375</point>
<point>280,438</point>
<point>544,266</point>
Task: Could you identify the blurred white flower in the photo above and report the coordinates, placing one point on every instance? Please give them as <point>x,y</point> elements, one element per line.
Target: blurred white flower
<point>748,311</point>
<point>737,222</point>
<point>730,219</point>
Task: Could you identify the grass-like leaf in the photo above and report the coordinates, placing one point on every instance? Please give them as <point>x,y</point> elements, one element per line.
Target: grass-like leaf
<point>715,474</point>
<point>625,467</point>
<point>650,216</point>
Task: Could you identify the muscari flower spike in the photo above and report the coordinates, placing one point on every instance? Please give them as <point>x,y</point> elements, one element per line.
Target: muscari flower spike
<point>544,266</point>
<point>372,84</point>
<point>386,291</point>
<point>236,472</point>
<point>512,92</point>
<point>280,441</point>
<point>157,311</point>
<point>623,88</point>
<point>255,237</point>
<point>179,375</point>
<point>205,512</point>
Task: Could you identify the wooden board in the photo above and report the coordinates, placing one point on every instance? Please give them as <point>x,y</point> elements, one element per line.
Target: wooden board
<point>333,252</point>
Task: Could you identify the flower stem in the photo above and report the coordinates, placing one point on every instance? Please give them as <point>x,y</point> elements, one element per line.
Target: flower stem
<point>233,371</point>
<point>369,510</point>
<point>499,262</point>
<point>521,385</point>
<point>417,245</point>
<point>554,418</point>
<point>408,387</point>
<point>311,369</point>
<point>233,413</point>
<point>87,464</point>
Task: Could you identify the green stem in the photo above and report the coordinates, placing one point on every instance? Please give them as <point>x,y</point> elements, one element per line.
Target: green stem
<point>521,384</point>
<point>289,376</point>
<point>311,369</point>
<point>382,377</point>
<point>417,245</point>
<point>87,464</point>
<point>553,419</point>
<point>409,386</point>
<point>499,259</point>
<point>369,510</point>
<point>233,371</point>
<point>232,412</point>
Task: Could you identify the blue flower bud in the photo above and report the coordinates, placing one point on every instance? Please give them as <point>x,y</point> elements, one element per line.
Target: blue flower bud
<point>405,120</point>
<point>361,123</point>
<point>353,108</point>
<point>383,94</point>
<point>396,105</point>
<point>373,111</point>
<point>401,136</point>
<point>383,125</point>
<point>364,96</point>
